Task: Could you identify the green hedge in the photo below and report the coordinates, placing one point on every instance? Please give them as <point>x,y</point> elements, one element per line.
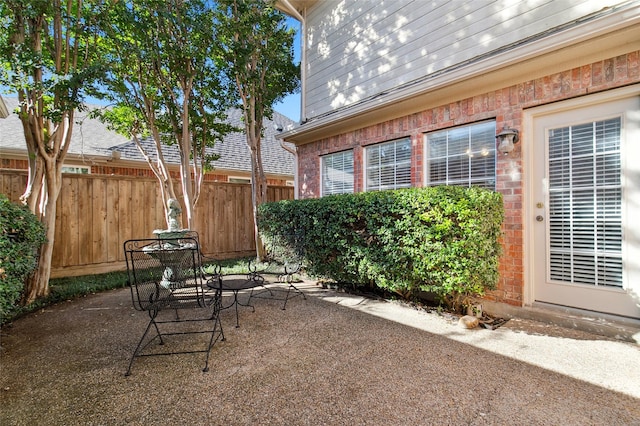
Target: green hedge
<point>21,235</point>
<point>443,240</point>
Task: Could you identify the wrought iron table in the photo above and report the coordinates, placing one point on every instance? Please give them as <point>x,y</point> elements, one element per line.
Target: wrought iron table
<point>236,284</point>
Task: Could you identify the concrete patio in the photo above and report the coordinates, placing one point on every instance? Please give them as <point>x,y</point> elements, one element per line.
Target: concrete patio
<point>333,359</point>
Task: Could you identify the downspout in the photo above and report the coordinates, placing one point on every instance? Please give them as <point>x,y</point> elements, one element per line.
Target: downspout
<point>303,91</point>
<point>303,59</point>
<point>294,152</point>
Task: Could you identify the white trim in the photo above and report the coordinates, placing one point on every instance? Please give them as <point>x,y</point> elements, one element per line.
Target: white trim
<point>293,12</point>
<point>529,116</point>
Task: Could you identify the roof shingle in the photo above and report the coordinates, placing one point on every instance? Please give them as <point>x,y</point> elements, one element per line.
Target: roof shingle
<point>92,138</point>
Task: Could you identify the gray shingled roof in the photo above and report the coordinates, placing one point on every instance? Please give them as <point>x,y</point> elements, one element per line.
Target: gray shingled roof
<point>92,138</point>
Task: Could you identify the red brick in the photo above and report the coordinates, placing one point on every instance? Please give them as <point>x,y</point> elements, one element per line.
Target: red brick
<point>609,70</point>
<point>596,73</point>
<point>633,65</point>
<point>506,106</point>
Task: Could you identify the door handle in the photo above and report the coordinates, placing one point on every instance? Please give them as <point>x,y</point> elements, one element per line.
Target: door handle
<point>539,218</point>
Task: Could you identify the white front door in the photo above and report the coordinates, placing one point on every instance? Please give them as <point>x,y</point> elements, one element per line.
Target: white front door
<point>585,204</point>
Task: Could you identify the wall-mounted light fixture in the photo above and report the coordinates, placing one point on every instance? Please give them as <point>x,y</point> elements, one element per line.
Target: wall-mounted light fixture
<point>506,138</point>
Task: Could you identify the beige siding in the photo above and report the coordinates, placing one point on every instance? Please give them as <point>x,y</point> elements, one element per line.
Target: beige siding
<point>358,49</point>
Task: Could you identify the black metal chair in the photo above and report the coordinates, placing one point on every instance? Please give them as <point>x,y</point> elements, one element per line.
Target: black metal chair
<point>284,273</point>
<point>165,274</point>
<point>211,270</point>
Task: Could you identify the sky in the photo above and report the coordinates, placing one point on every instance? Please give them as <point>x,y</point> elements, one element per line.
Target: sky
<point>290,106</point>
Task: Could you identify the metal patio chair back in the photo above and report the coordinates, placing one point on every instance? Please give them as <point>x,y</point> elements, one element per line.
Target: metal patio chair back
<point>210,267</point>
<point>165,274</point>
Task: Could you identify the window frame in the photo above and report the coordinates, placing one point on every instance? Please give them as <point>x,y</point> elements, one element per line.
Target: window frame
<point>471,179</point>
<point>405,162</point>
<point>74,169</point>
<point>239,179</point>
<point>323,160</point>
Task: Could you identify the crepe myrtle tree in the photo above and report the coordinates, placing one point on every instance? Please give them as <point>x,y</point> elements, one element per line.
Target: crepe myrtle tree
<point>255,51</point>
<point>50,58</point>
<point>162,82</point>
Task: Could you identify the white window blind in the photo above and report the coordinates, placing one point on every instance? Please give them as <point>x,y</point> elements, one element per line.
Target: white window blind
<point>337,173</point>
<point>82,170</point>
<point>389,165</point>
<point>585,199</point>
<point>463,156</point>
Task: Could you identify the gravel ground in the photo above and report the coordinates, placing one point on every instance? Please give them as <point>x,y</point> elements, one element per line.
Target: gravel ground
<point>332,359</point>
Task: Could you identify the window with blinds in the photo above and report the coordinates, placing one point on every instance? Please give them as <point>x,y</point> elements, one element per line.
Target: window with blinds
<point>337,173</point>
<point>585,203</point>
<point>82,170</point>
<point>388,165</point>
<point>462,156</point>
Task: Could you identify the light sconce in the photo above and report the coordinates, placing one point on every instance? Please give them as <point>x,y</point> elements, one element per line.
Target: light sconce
<point>506,138</point>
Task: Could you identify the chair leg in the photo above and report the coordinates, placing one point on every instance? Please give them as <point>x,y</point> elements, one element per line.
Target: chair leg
<point>297,290</point>
<point>257,295</point>
<point>152,321</point>
<point>214,338</point>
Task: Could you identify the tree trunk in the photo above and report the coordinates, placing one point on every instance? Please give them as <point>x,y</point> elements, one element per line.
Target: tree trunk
<point>38,283</point>
<point>258,191</point>
<point>160,171</point>
<point>33,190</point>
<point>185,166</point>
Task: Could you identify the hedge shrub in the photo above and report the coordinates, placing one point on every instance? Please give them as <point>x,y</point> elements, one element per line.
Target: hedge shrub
<point>443,240</point>
<point>21,235</point>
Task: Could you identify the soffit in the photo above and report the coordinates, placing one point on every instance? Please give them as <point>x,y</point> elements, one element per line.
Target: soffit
<point>298,5</point>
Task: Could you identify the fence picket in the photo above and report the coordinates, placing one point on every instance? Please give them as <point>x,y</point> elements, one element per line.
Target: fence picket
<point>97,213</point>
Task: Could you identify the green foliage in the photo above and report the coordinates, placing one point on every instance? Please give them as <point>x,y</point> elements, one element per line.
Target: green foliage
<point>162,74</point>
<point>50,58</point>
<point>50,52</point>
<point>163,82</point>
<point>255,53</point>
<point>21,235</point>
<point>443,240</point>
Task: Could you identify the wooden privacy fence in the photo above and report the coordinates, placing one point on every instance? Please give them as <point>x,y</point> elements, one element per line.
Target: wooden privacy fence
<point>97,214</point>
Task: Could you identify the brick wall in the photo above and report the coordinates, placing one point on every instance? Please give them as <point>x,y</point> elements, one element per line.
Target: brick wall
<point>13,164</point>
<point>109,170</point>
<point>506,106</point>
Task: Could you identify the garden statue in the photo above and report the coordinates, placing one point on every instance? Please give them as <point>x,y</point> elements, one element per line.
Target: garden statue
<point>173,217</point>
<point>174,214</point>
<point>167,249</point>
